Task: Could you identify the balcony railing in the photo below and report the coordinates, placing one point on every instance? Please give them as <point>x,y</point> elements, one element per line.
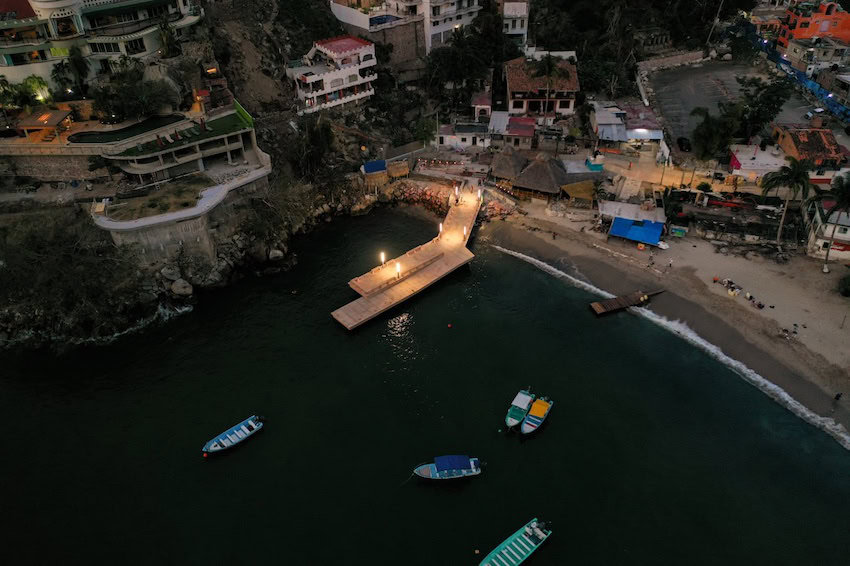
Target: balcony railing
<point>23,40</point>
<point>125,28</point>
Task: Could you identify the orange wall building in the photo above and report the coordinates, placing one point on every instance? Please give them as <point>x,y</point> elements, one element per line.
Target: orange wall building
<point>810,19</point>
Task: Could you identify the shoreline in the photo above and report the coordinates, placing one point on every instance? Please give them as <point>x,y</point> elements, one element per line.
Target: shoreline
<point>743,336</point>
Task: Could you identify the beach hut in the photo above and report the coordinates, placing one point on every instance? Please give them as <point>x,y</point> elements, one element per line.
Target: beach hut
<point>542,179</point>
<point>397,169</point>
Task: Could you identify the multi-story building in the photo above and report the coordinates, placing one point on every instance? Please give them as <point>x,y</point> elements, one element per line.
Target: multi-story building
<point>36,34</point>
<point>515,21</point>
<point>826,226</point>
<point>441,17</point>
<point>527,90</point>
<point>767,16</point>
<point>812,55</point>
<point>335,72</point>
<point>806,20</point>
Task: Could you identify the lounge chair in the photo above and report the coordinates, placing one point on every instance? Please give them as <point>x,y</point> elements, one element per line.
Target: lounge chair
<point>167,138</point>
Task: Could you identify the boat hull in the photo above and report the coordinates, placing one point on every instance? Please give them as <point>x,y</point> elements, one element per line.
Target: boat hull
<point>533,421</point>
<point>519,546</point>
<point>431,471</point>
<point>234,436</point>
<point>519,408</point>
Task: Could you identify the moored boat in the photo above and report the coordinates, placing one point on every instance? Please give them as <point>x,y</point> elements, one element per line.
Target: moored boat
<point>536,415</point>
<point>519,408</point>
<point>234,435</point>
<point>449,468</point>
<point>519,546</point>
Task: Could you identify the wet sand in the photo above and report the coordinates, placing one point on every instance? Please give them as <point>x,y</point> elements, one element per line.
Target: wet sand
<point>742,335</point>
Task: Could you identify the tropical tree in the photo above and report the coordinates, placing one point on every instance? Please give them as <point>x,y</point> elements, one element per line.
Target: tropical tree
<point>425,129</point>
<point>839,195</point>
<point>37,86</point>
<point>713,134</point>
<point>61,75</point>
<point>795,177</point>
<point>550,67</point>
<point>167,39</point>
<point>5,96</point>
<point>79,66</point>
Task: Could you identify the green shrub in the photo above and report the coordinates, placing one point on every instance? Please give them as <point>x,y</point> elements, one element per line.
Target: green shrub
<point>844,286</point>
<point>704,187</point>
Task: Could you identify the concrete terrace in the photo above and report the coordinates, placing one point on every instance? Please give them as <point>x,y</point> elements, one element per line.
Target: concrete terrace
<point>400,278</point>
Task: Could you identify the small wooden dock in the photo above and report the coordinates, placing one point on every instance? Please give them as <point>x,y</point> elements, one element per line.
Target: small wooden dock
<point>608,306</point>
<point>400,278</point>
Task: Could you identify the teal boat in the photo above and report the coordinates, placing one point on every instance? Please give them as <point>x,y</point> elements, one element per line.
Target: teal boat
<point>519,408</point>
<point>519,546</point>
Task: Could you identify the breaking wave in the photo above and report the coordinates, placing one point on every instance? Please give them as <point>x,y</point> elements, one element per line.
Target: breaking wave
<point>679,328</point>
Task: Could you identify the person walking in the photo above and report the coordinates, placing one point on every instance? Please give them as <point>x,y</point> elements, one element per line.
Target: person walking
<point>670,265</point>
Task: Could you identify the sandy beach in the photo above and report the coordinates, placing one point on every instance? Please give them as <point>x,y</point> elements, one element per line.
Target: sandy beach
<point>811,365</point>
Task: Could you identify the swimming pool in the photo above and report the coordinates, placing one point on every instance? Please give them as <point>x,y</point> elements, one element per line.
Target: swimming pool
<point>117,135</point>
<point>382,19</point>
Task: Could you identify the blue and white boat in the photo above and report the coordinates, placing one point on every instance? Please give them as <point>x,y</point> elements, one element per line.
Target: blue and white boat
<point>449,468</point>
<point>234,435</point>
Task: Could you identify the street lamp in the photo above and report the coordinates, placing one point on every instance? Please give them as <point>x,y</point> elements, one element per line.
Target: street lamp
<point>464,231</point>
<point>398,270</point>
<point>441,228</point>
<point>383,259</point>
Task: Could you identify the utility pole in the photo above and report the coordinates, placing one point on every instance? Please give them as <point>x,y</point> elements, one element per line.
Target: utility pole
<point>714,23</point>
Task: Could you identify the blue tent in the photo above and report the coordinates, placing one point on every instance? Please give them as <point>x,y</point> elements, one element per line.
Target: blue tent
<point>644,231</point>
<point>375,166</point>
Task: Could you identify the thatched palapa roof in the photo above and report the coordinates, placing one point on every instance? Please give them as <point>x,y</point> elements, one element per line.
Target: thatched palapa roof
<point>544,175</point>
<point>507,164</point>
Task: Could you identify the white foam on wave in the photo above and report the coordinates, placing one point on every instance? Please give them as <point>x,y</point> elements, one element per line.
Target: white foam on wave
<point>681,329</point>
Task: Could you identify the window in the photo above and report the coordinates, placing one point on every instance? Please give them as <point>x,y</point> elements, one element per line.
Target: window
<point>842,230</point>
<point>135,46</point>
<point>804,25</point>
<point>516,141</point>
<point>368,57</point>
<point>825,245</point>
<point>517,104</point>
<point>522,23</point>
<point>336,82</point>
<point>462,140</point>
<point>127,17</point>
<point>435,11</point>
<point>835,23</point>
<point>352,78</point>
<point>565,104</point>
<point>513,24</point>
<point>506,26</point>
<point>157,11</point>
<point>442,140</point>
<point>104,47</point>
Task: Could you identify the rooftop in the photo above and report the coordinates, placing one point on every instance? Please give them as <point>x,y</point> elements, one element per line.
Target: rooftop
<point>639,116</point>
<point>521,77</point>
<point>812,142</point>
<point>20,8</point>
<point>225,125</point>
<point>544,175</point>
<point>343,44</point>
<point>499,121</point>
<point>523,127</point>
<point>43,119</point>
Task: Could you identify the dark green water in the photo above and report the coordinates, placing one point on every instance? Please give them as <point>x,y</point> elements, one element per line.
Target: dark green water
<point>654,453</point>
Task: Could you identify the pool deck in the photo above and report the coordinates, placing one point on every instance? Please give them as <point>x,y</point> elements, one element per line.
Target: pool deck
<point>400,278</point>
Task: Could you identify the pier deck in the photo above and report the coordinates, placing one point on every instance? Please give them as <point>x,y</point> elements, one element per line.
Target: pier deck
<point>622,302</point>
<point>400,278</point>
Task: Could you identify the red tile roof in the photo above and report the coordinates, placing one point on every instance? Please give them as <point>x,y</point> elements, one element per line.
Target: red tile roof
<point>813,143</point>
<point>521,77</point>
<point>343,44</point>
<point>523,127</point>
<point>21,7</point>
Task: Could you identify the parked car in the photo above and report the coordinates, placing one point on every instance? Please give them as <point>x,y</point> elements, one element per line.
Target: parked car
<point>684,144</point>
<point>812,113</point>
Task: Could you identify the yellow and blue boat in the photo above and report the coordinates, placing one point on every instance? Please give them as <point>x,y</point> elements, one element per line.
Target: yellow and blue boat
<point>536,415</point>
<point>449,468</point>
<point>519,546</point>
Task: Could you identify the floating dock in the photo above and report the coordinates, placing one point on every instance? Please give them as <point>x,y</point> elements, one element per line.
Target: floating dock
<point>608,306</point>
<point>400,278</point>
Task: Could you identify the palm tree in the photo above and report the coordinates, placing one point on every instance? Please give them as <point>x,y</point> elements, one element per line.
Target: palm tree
<point>794,176</point>
<point>5,96</point>
<point>80,67</point>
<point>551,68</point>
<point>839,194</point>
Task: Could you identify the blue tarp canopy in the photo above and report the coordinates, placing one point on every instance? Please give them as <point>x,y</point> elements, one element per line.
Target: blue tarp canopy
<point>375,166</point>
<point>644,231</point>
<point>444,463</point>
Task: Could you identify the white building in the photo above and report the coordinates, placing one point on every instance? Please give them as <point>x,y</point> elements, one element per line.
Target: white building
<point>335,72</point>
<point>820,232</point>
<point>441,17</point>
<point>36,34</point>
<point>515,21</point>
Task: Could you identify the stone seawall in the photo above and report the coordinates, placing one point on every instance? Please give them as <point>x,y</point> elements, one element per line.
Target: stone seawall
<point>408,40</point>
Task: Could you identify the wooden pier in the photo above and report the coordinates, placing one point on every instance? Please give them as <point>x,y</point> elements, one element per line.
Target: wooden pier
<point>400,278</point>
<point>622,302</point>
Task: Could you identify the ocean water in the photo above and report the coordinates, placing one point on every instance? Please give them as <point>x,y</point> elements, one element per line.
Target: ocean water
<point>655,452</point>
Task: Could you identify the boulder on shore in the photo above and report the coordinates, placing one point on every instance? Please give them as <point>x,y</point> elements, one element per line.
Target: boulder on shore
<point>170,272</point>
<point>275,255</point>
<point>182,288</point>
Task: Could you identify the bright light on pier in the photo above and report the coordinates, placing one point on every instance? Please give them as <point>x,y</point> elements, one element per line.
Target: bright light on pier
<point>397,269</point>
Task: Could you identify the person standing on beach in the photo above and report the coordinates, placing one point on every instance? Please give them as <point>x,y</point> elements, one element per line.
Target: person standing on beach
<point>669,264</point>
<point>651,259</point>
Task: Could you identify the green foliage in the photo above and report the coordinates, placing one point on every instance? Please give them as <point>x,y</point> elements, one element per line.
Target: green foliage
<point>425,130</point>
<point>713,134</point>
<point>167,39</point>
<point>61,266</point>
<point>80,67</point>
<point>61,75</point>
<point>844,286</point>
<point>311,147</point>
<point>839,197</point>
<point>460,64</point>
<point>133,100</point>
<point>704,187</point>
<point>794,176</point>
<point>759,104</point>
